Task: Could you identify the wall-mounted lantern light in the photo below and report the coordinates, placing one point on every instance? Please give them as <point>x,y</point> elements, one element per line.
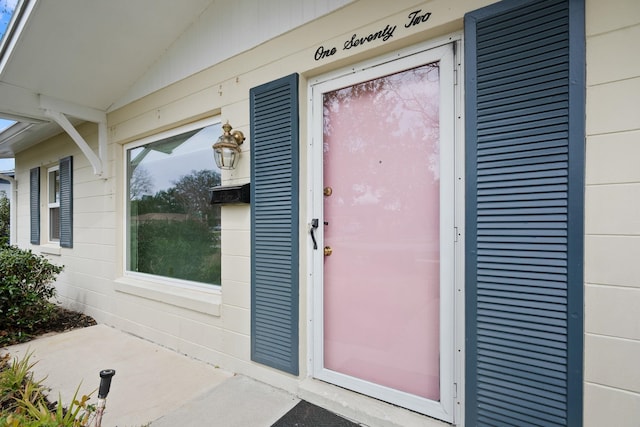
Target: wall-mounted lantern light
<point>226,150</point>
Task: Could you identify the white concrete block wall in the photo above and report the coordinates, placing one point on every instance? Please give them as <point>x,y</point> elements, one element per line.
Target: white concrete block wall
<point>89,267</point>
<point>612,211</point>
<point>612,215</point>
<point>223,89</point>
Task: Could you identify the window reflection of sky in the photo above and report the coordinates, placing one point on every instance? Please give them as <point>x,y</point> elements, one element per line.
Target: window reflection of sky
<point>5,124</point>
<point>7,7</point>
<point>165,168</point>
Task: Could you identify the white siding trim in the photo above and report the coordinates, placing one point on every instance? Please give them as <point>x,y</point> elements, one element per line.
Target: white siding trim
<point>207,302</point>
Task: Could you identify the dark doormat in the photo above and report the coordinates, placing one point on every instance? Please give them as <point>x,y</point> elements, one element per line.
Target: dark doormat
<point>304,414</point>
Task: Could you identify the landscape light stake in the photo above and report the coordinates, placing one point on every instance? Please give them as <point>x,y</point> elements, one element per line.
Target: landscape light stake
<point>103,391</point>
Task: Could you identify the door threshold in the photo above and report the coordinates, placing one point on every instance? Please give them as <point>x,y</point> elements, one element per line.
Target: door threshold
<point>362,409</point>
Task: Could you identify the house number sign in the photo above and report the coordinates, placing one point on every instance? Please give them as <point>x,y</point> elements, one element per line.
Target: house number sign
<point>416,17</point>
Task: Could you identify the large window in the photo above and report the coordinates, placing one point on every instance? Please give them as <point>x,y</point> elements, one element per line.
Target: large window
<point>173,230</point>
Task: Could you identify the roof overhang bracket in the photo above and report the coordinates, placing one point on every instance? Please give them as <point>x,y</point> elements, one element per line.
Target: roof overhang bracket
<point>58,110</point>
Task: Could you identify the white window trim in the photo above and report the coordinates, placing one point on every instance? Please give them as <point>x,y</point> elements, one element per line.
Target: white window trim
<point>53,205</point>
<point>161,288</point>
<point>207,301</point>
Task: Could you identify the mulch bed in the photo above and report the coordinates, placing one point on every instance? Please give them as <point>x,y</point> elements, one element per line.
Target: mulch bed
<point>62,320</point>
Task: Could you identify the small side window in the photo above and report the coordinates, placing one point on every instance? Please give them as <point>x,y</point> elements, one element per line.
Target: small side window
<point>53,197</point>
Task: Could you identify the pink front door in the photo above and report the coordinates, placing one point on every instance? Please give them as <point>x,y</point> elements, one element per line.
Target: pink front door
<point>381,173</point>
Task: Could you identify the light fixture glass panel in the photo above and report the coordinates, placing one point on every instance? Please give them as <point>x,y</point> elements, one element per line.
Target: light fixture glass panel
<point>227,158</point>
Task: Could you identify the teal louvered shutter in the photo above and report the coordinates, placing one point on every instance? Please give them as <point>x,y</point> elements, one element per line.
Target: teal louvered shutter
<point>34,205</point>
<point>525,166</point>
<point>66,202</point>
<point>274,224</point>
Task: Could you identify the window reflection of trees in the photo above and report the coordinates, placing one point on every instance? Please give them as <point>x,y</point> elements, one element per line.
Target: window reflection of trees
<point>381,159</point>
<point>174,231</point>
<point>389,122</point>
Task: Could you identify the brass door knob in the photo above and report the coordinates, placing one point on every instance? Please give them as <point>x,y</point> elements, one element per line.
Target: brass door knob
<point>328,251</point>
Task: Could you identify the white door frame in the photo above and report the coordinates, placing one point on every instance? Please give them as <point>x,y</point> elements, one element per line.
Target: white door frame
<point>451,267</point>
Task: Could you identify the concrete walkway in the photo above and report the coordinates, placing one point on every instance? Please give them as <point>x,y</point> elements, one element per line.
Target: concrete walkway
<point>152,384</point>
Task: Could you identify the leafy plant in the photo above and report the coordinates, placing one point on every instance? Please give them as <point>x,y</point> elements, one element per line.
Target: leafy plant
<point>76,415</point>
<point>13,378</point>
<point>25,291</point>
<point>24,403</point>
<point>4,219</point>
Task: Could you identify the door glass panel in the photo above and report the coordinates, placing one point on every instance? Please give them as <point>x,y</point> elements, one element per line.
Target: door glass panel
<point>381,283</point>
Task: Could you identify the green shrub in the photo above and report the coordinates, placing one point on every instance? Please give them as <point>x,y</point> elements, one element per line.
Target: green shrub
<point>25,290</point>
<point>4,219</point>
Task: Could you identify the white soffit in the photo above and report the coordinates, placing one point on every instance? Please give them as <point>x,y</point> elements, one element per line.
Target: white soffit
<point>82,52</point>
<point>90,52</point>
<point>103,54</point>
<point>225,29</point>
